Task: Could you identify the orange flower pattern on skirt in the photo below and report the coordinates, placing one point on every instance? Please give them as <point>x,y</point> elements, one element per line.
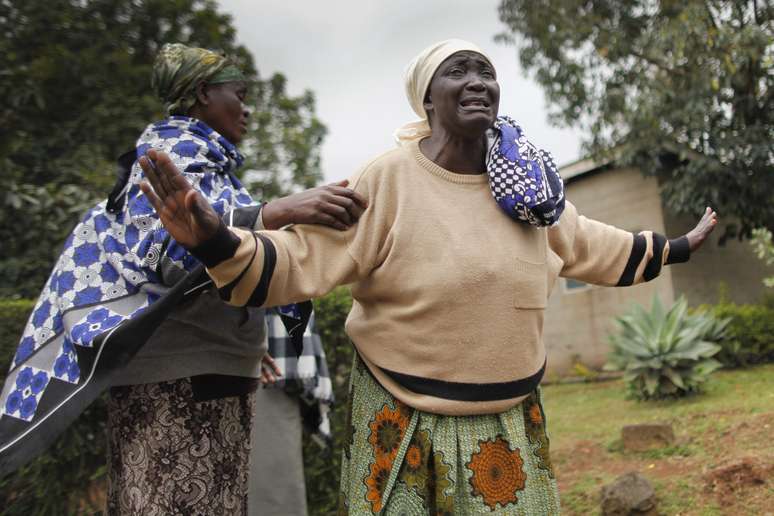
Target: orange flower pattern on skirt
<point>497,473</point>
<point>376,481</point>
<point>415,468</point>
<point>534,426</point>
<point>425,472</point>
<point>387,430</point>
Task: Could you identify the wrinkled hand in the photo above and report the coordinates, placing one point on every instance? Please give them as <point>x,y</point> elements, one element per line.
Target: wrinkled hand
<point>270,372</point>
<point>697,235</point>
<point>332,205</point>
<point>185,213</point>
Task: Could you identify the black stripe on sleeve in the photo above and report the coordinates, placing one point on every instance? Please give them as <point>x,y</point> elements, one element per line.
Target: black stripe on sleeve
<point>460,391</point>
<point>225,291</point>
<point>258,297</point>
<point>222,246</point>
<point>653,268</point>
<point>247,216</point>
<point>679,251</point>
<point>638,251</point>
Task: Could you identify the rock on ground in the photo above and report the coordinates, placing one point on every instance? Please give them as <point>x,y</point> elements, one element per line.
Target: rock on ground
<point>629,495</point>
<point>646,436</point>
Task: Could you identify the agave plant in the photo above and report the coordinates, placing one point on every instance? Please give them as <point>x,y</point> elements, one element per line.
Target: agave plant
<point>665,354</point>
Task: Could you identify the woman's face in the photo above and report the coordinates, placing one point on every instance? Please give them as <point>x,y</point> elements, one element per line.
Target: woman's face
<point>464,96</point>
<point>221,106</point>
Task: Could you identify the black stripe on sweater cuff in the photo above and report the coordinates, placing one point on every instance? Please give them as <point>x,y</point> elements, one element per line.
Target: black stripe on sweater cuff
<point>653,267</point>
<point>246,217</point>
<point>222,246</point>
<point>639,246</point>
<point>226,290</point>
<point>258,297</point>
<point>679,250</point>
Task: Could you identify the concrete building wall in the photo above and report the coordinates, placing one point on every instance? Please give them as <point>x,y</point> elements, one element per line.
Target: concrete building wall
<point>578,320</point>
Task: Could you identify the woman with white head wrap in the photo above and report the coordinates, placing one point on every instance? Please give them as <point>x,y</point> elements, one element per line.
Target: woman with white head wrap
<point>449,290</point>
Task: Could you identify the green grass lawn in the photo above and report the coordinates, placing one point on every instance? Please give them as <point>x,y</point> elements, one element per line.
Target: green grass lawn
<point>732,419</point>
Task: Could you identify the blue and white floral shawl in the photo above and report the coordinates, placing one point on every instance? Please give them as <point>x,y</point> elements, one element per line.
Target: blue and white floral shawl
<point>118,276</point>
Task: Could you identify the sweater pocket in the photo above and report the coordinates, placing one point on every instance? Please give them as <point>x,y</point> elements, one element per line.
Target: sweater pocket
<point>530,285</point>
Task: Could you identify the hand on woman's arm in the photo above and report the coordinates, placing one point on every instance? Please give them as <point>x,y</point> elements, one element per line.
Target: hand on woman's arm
<point>272,267</point>
<point>332,205</point>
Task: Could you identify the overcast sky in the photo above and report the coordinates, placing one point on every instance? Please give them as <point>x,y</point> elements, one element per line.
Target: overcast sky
<point>352,54</point>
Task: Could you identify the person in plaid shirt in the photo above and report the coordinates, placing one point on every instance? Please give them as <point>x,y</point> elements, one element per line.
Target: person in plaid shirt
<point>298,393</point>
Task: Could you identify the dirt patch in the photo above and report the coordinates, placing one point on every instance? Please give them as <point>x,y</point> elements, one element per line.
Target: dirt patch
<point>717,470</point>
<point>737,475</point>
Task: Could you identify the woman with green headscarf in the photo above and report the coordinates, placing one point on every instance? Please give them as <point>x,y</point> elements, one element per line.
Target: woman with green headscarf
<point>127,307</point>
<point>180,422</point>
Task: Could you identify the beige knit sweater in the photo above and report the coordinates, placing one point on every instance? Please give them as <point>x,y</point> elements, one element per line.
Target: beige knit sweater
<point>449,292</point>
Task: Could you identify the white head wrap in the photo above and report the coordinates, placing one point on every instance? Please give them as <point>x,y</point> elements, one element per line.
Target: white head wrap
<point>418,75</point>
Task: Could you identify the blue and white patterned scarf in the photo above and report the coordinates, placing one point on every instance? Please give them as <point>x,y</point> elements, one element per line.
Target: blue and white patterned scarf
<point>523,178</point>
<point>118,275</point>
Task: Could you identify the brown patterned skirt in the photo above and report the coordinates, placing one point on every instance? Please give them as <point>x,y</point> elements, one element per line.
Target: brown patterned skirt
<point>169,454</point>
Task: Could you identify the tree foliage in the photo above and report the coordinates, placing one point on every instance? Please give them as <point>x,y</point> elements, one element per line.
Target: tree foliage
<point>681,88</point>
<point>763,244</point>
<point>75,84</point>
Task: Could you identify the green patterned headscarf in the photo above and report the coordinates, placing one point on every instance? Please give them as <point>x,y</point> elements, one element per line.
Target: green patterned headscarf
<point>179,69</point>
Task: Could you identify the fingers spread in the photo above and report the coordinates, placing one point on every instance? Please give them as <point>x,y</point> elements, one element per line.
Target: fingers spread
<point>152,175</point>
<point>154,199</point>
<point>168,173</point>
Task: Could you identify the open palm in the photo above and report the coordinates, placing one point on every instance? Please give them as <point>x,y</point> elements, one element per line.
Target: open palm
<point>704,227</point>
<point>185,213</point>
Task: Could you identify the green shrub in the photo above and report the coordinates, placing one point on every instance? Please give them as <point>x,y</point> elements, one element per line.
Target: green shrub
<point>750,333</point>
<point>322,469</point>
<point>665,354</point>
<point>13,316</point>
<point>65,478</point>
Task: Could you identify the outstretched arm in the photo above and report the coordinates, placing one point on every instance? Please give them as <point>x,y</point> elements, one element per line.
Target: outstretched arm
<point>266,268</point>
<point>601,254</point>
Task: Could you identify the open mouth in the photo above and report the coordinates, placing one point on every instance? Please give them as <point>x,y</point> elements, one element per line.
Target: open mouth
<point>475,103</point>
